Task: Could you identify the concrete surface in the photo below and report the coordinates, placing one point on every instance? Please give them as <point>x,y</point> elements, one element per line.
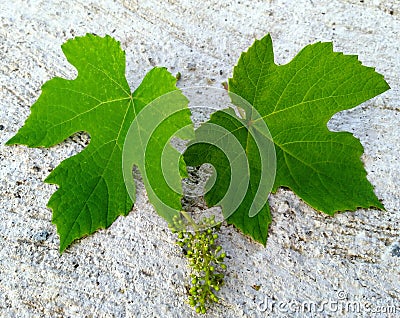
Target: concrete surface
<point>133,269</point>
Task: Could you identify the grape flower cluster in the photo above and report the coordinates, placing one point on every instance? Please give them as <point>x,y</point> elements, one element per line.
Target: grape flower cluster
<point>205,258</point>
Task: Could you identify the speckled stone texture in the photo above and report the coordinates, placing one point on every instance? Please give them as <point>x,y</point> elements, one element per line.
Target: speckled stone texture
<point>133,269</point>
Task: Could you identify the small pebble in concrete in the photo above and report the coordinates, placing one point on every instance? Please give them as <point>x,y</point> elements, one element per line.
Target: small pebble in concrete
<point>191,66</point>
<point>41,236</point>
<point>396,250</point>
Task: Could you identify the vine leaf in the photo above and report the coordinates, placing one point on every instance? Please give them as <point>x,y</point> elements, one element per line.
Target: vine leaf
<point>92,191</point>
<point>243,180</point>
<point>296,101</point>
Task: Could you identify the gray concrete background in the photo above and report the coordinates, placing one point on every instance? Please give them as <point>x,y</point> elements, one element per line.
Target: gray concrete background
<point>133,269</point>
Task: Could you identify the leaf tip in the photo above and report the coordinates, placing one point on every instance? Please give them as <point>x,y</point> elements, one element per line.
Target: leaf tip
<point>61,249</point>
<point>17,140</point>
<point>10,142</point>
<point>65,242</point>
<point>49,180</point>
<point>81,48</point>
<point>379,205</point>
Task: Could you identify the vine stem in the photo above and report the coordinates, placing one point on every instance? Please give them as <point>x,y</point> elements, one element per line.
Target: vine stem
<point>190,220</point>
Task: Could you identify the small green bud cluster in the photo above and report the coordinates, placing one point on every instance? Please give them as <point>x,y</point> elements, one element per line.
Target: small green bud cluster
<point>178,224</point>
<point>205,258</point>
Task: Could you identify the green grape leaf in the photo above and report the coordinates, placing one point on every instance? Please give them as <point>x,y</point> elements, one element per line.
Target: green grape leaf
<point>92,192</point>
<point>231,170</point>
<point>296,101</point>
